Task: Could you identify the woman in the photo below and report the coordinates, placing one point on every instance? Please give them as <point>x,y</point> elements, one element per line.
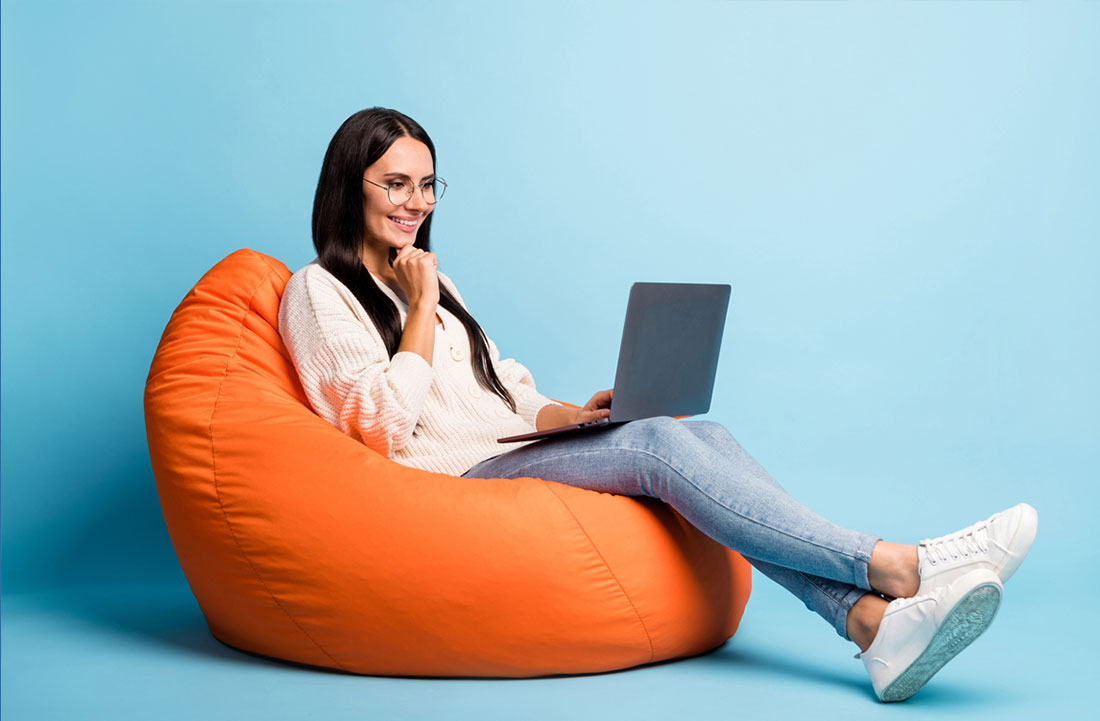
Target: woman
<point>388,353</point>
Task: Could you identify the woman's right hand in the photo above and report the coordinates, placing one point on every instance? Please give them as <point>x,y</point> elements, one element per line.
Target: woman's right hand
<point>416,274</point>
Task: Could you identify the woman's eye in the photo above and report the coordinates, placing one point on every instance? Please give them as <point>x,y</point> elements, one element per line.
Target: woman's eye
<point>397,185</point>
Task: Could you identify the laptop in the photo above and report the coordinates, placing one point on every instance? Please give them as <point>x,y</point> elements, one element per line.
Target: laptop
<point>667,358</point>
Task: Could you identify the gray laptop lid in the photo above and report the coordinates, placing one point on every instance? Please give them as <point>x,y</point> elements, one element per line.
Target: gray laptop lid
<point>667,363</point>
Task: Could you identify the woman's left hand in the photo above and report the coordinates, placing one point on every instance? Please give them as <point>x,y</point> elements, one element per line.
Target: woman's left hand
<point>598,407</point>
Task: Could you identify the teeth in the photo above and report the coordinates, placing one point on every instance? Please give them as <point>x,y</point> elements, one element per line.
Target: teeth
<point>403,222</point>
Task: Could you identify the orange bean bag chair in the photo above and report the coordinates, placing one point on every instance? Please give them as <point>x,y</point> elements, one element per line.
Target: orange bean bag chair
<point>302,544</point>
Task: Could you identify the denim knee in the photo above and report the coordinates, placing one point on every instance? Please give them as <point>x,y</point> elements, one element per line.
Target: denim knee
<point>665,434</point>
<point>713,432</point>
<point>660,434</point>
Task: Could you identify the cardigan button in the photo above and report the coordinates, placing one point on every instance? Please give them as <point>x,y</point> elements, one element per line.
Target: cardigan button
<point>475,391</point>
<point>457,354</point>
<point>503,412</point>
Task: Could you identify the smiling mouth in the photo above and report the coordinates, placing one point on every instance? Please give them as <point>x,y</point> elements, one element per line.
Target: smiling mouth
<point>403,223</point>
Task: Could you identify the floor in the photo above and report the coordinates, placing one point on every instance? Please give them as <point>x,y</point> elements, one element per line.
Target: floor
<point>143,651</point>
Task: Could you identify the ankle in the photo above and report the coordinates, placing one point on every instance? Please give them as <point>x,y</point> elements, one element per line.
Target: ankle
<point>893,571</point>
<point>864,619</point>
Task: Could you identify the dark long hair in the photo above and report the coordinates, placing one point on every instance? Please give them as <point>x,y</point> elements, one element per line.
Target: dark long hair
<point>339,227</point>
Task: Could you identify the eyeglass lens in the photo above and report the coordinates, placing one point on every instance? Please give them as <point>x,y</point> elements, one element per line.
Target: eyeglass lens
<point>398,191</point>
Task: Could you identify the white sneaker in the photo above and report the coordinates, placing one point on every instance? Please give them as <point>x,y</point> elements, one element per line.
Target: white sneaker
<point>918,635</point>
<point>999,543</point>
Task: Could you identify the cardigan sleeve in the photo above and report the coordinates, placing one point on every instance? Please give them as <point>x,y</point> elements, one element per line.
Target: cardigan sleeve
<point>514,376</point>
<point>344,366</point>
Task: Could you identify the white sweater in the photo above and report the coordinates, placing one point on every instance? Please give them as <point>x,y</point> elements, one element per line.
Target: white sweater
<point>433,417</point>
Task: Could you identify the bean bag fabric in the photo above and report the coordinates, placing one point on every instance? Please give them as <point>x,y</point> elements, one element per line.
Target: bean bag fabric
<point>300,543</point>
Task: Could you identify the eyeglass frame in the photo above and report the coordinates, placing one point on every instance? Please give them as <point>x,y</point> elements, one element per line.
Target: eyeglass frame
<point>436,179</point>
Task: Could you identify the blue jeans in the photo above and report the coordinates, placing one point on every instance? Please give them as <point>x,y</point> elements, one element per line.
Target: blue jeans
<point>701,471</point>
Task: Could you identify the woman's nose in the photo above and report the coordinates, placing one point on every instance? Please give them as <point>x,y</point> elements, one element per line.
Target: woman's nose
<point>417,202</point>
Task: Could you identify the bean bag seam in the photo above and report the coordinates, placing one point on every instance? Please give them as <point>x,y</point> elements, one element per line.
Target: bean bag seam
<point>214,469</point>
<point>607,567</point>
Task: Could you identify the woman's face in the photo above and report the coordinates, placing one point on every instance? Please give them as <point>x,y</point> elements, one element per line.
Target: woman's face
<point>408,162</point>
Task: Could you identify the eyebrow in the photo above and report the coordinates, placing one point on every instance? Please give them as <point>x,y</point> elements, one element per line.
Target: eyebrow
<point>403,175</point>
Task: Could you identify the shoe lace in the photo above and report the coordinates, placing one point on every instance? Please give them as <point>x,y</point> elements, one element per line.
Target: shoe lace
<point>971,541</point>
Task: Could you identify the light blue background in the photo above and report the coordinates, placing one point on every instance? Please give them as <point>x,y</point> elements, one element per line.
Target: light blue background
<point>903,197</point>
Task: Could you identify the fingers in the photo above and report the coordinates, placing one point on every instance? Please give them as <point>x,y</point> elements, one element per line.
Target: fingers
<point>598,407</point>
<point>416,274</point>
<point>411,256</point>
<point>585,416</point>
<point>600,400</point>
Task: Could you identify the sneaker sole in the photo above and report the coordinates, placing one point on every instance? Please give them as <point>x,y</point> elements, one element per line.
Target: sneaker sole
<point>969,618</point>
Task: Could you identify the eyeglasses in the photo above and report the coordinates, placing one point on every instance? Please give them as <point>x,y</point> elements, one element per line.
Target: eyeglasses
<point>400,192</point>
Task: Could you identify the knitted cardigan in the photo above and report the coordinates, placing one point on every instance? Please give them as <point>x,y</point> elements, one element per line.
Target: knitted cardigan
<point>433,417</point>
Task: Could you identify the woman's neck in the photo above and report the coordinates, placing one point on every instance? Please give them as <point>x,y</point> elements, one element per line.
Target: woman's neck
<point>380,267</point>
